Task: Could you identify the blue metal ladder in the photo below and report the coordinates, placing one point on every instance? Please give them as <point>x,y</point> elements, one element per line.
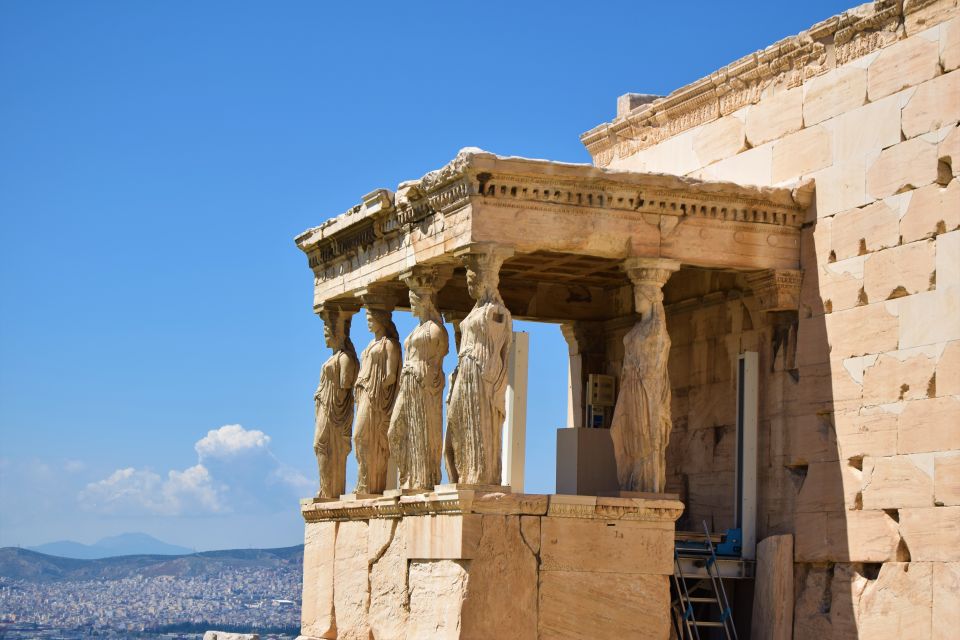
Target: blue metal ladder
<point>715,598</point>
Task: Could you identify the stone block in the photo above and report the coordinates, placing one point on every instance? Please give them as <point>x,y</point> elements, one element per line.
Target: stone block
<point>933,105</point>
<point>501,600</point>
<point>899,271</point>
<point>829,486</point>
<point>950,45</point>
<point>948,370</point>
<point>811,438</point>
<point>388,579</point>
<point>749,167</point>
<point>838,91</point>
<point>775,116</point>
<point>773,592</point>
<point>860,231</point>
<point>862,330</point>
<point>840,187</point>
<point>841,284</point>
<point>850,536</point>
<point>437,589</point>
<point>932,534</point>
<point>929,318</point>
<point>866,432</point>
<point>949,151</point>
<point>897,604</point>
<point>867,130</point>
<point>946,600</point>
<point>351,585</point>
<point>899,375</point>
<point>946,479</point>
<point>909,165</point>
<point>932,210</point>
<point>801,153</point>
<point>903,64</point>
<point>895,482</point>
<point>316,614</point>
<point>920,15</point>
<point>719,139</point>
<point>575,544</point>
<point>812,345</point>
<point>929,425</point>
<point>437,537</point>
<point>578,605</point>
<point>948,262</point>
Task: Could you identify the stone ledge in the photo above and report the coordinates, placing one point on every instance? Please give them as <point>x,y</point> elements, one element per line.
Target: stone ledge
<point>455,501</point>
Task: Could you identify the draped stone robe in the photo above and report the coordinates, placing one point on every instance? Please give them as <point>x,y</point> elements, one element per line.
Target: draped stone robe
<point>375,400</point>
<point>334,420</point>
<point>641,420</point>
<point>477,401</point>
<point>416,425</point>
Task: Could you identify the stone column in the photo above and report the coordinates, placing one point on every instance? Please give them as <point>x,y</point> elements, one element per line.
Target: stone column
<point>333,400</point>
<point>477,401</point>
<point>585,344</point>
<point>641,420</point>
<point>375,391</point>
<point>416,425</point>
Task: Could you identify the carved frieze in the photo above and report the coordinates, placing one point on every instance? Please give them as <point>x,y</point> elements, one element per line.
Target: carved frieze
<point>789,62</point>
<point>776,289</point>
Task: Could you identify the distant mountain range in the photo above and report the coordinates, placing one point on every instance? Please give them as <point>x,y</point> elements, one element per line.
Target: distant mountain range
<point>24,564</point>
<point>125,544</point>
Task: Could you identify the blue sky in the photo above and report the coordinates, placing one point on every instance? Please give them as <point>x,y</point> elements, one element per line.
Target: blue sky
<point>158,353</point>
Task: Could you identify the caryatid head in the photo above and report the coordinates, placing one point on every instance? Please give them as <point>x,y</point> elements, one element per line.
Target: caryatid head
<point>483,264</point>
<point>336,328</point>
<point>648,276</point>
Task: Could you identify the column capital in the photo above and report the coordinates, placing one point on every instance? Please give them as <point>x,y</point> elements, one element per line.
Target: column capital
<point>776,289</point>
<point>649,271</point>
<point>378,296</point>
<point>427,278</point>
<point>330,308</point>
<point>480,255</point>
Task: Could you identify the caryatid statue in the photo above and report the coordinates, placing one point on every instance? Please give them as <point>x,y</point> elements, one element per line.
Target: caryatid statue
<point>416,424</point>
<point>376,390</point>
<point>478,397</point>
<point>641,420</point>
<point>334,402</point>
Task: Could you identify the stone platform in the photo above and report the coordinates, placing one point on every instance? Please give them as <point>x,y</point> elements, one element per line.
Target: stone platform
<point>462,563</point>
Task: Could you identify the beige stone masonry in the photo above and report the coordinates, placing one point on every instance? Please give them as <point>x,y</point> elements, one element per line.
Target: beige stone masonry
<point>841,284</point>
<point>946,477</point>
<point>318,557</point>
<point>750,167</point>
<point>950,44</point>
<point>850,536</point>
<point>846,334</point>
<point>909,165</point>
<point>868,129</point>
<point>904,64</point>
<point>859,231</point>
<point>897,603</point>
<point>946,613</point>
<point>841,186</point>
<point>866,432</point>
<point>892,483</point>
<point>948,370</point>
<point>899,271</point>
<point>931,210</point>
<point>934,104</point>
<point>775,117</point>
<point>929,425</point>
<point>949,150</point>
<point>834,93</point>
<point>571,544</point>
<point>802,153</point>
<point>932,534</point>
<point>920,15</point>
<point>718,140</point>
<point>899,375</point>
<point>351,595</point>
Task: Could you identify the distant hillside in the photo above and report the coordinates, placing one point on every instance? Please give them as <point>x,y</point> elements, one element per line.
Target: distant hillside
<point>125,544</point>
<point>23,564</point>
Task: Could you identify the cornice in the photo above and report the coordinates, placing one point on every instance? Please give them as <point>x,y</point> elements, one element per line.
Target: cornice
<point>789,63</point>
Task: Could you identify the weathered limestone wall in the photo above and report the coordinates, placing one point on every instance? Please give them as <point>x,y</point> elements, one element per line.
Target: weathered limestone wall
<point>465,565</point>
<point>860,446</point>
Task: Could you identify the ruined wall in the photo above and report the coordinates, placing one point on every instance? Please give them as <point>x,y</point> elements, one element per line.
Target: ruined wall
<point>859,436</point>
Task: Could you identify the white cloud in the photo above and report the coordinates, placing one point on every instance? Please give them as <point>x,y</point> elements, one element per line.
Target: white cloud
<point>291,477</point>
<point>74,466</point>
<point>131,490</point>
<point>230,440</point>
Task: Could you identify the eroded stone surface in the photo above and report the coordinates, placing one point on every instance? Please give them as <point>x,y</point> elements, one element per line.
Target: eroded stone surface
<point>773,593</point>
<point>351,585</point>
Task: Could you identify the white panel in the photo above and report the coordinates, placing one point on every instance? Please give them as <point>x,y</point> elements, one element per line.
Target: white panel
<point>747,396</point>
<point>515,423</point>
